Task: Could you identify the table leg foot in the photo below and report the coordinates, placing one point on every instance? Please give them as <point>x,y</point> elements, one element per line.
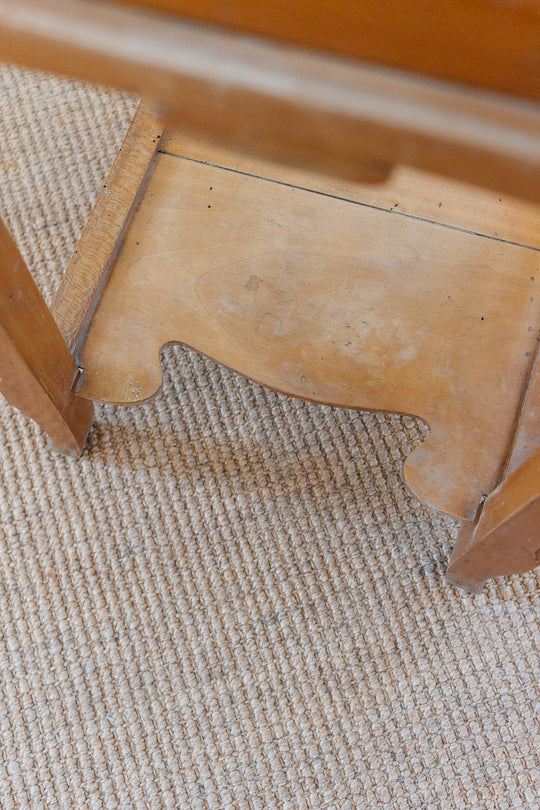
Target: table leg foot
<point>505,539</point>
<point>38,374</point>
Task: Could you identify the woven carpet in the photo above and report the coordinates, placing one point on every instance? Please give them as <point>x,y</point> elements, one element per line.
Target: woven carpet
<point>231,600</point>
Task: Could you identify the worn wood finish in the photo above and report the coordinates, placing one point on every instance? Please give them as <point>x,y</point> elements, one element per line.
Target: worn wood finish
<point>394,309</point>
<point>37,371</point>
<point>287,104</point>
<point>87,272</point>
<point>329,300</point>
<point>481,42</point>
<point>406,191</point>
<point>506,538</point>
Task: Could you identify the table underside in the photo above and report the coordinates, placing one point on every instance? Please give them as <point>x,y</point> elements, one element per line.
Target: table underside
<point>419,296</point>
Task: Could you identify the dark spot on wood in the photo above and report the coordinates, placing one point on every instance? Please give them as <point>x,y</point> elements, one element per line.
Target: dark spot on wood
<point>253,283</point>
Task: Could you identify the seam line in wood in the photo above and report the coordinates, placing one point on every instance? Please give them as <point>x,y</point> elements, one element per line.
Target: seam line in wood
<point>353,202</point>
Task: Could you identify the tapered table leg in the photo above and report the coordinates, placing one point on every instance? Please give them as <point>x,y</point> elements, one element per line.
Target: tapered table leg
<point>37,371</point>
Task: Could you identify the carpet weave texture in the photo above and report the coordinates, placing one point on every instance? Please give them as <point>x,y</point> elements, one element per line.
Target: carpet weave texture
<point>231,600</point>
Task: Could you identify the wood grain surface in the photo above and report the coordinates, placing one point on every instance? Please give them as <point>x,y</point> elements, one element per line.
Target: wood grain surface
<point>506,539</point>
<point>81,285</point>
<point>484,42</point>
<point>332,300</point>
<point>300,107</point>
<point>37,371</point>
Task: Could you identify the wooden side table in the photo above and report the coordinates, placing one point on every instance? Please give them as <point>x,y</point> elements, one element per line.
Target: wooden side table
<point>323,275</point>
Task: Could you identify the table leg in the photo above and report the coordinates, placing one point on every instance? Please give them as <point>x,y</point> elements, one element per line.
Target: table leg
<point>37,371</point>
<point>506,536</point>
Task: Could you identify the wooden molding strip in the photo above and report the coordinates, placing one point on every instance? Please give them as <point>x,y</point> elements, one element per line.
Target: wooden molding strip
<point>284,103</point>
<point>78,293</point>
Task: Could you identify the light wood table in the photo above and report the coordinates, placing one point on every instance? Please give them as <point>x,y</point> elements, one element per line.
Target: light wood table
<point>256,213</point>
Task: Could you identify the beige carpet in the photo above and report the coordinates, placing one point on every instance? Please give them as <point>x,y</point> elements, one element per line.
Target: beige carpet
<point>231,601</point>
